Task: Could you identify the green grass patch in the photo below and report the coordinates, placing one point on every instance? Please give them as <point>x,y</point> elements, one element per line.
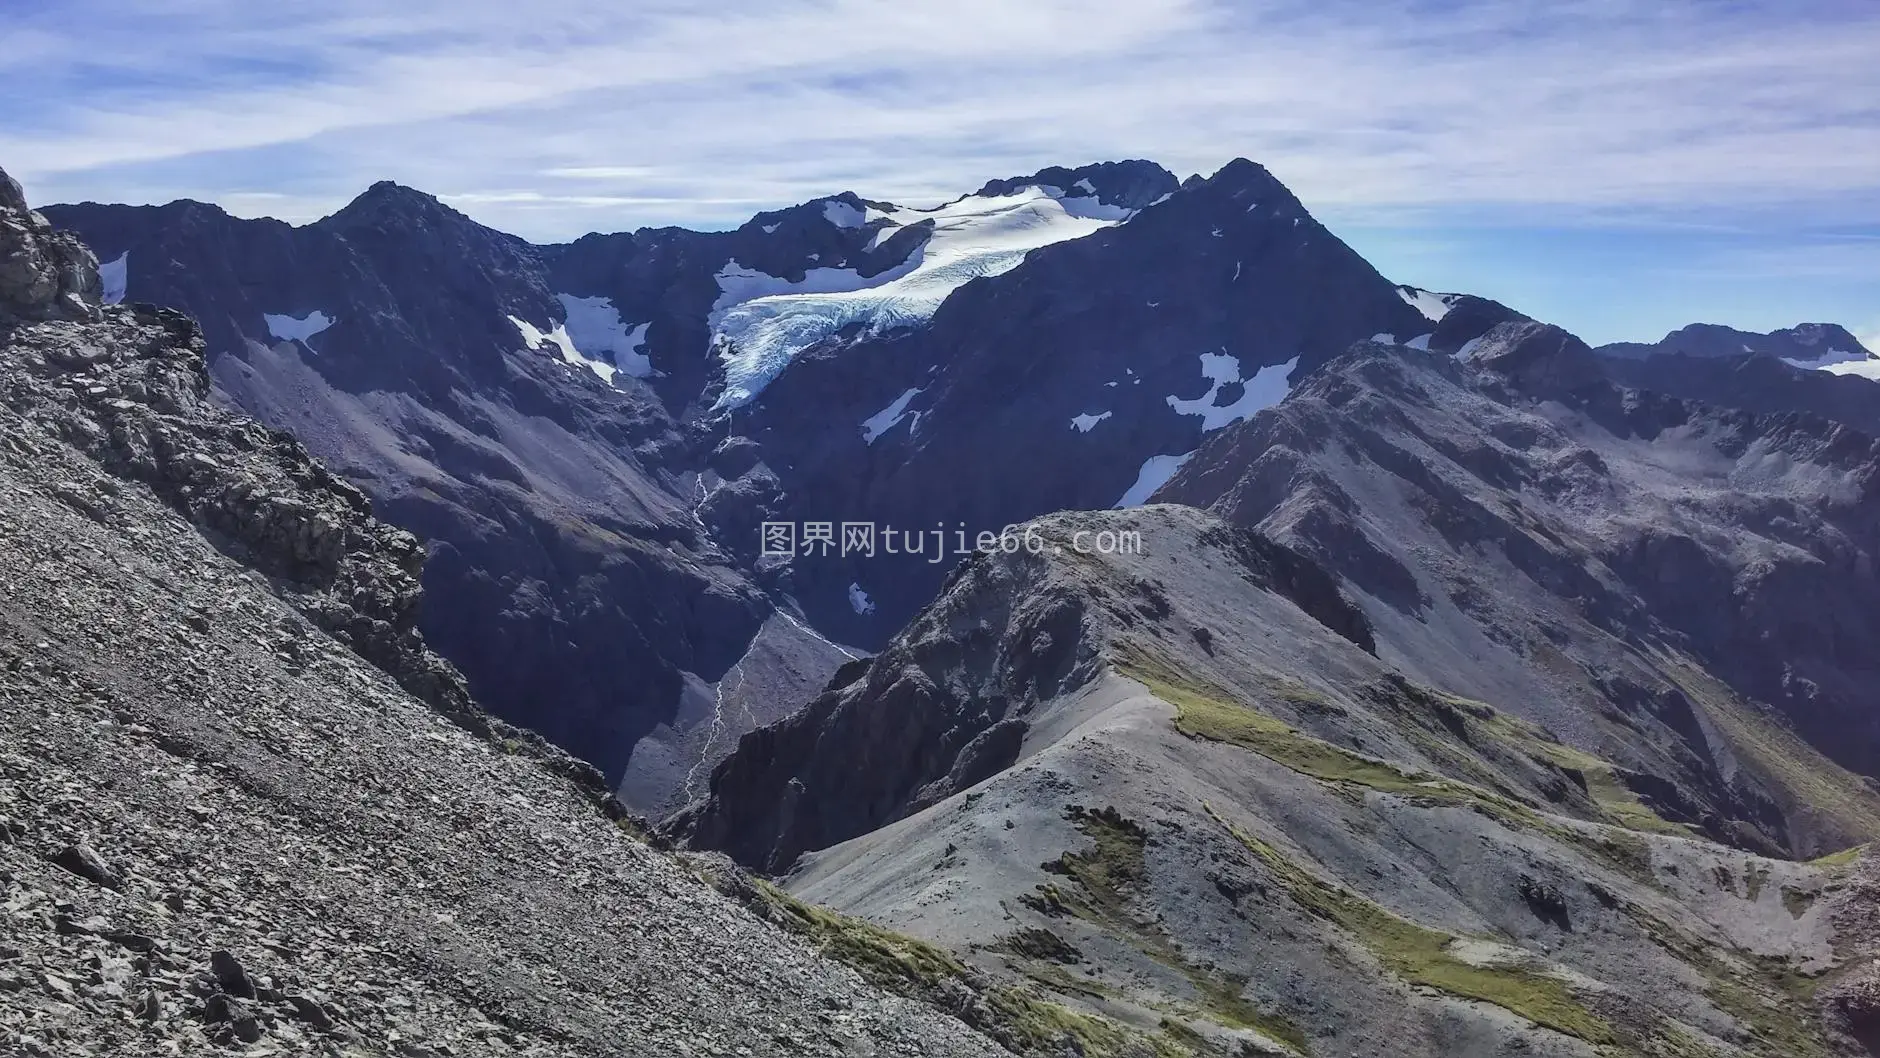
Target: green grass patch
<point>1021,1019</point>
<point>1420,956</point>
<point>1803,779</point>
<point>886,958</point>
<point>1839,861</point>
<point>1767,995</point>
<point>1609,793</point>
<point>1213,714</point>
<point>1102,883</point>
<point>1041,1027</point>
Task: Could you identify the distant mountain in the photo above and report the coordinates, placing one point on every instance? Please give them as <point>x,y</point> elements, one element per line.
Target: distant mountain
<point>1818,346</point>
<point>585,432</point>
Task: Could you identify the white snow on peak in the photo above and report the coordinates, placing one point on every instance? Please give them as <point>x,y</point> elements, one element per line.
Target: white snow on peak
<point>1869,368</point>
<point>1421,341</point>
<point>859,600</point>
<point>843,215</point>
<point>598,333</point>
<point>760,322</point>
<point>1267,387</point>
<point>115,275</point>
<point>887,418</point>
<point>1432,305</point>
<point>1469,347</point>
<point>1828,361</point>
<point>1155,472</point>
<point>1385,337</point>
<point>533,337</point>
<point>298,328</point>
<point>1085,422</point>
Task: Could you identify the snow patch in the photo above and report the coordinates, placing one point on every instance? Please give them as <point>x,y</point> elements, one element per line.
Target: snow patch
<point>761,322</point>
<point>115,275</point>
<point>1155,472</point>
<point>1869,369</point>
<point>859,600</point>
<point>1267,387</point>
<point>596,330</point>
<point>1421,341</point>
<point>1085,186</point>
<point>887,418</point>
<point>298,328</point>
<point>534,338</point>
<point>1387,339</point>
<point>1083,423</point>
<point>1432,305</point>
<point>1831,359</point>
<point>1469,347</point>
<point>843,215</point>
<point>771,229</point>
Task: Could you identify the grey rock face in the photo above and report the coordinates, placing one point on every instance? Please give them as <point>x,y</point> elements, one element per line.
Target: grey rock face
<point>43,274</point>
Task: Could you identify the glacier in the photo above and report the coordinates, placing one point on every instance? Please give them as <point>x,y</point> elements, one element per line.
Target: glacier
<point>761,322</point>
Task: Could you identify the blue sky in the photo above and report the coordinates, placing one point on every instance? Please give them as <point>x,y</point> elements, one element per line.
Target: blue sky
<point>1621,167</point>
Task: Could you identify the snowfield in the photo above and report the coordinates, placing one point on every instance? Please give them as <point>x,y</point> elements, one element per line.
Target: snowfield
<point>115,276</point>
<point>298,328</point>
<point>595,327</point>
<point>1268,386</point>
<point>1869,368</point>
<point>887,418</point>
<point>1432,305</point>
<point>760,322</point>
<point>1837,361</point>
<point>533,337</point>
<point>1156,470</point>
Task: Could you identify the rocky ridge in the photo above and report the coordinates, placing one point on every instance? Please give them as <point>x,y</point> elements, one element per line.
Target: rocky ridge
<point>1187,795</point>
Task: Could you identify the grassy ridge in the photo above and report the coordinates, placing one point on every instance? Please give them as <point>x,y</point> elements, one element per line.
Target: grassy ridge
<point>1421,956</point>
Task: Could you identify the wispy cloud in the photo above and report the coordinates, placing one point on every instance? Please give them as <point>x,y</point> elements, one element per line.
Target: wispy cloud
<point>1586,105</point>
<point>1691,120</point>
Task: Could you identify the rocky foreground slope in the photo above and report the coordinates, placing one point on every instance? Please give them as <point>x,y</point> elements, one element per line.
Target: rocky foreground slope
<point>242,806</point>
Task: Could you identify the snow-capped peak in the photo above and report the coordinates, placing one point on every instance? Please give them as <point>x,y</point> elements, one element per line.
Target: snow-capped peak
<point>1432,305</point>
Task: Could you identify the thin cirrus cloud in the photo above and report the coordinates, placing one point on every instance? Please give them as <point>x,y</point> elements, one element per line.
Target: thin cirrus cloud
<point>1432,116</point>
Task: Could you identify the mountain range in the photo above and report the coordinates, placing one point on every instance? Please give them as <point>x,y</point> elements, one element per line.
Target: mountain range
<point>1463,671</point>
